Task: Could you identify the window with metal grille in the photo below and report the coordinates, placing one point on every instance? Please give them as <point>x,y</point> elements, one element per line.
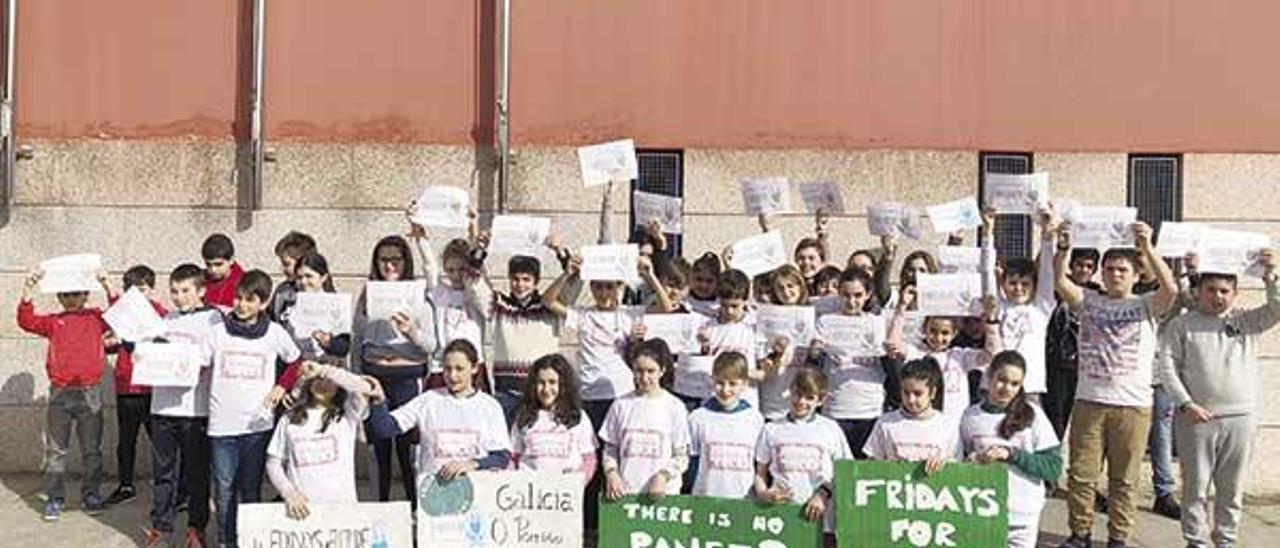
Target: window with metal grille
<point>661,172</point>
<point>1155,187</point>
<point>1012,232</point>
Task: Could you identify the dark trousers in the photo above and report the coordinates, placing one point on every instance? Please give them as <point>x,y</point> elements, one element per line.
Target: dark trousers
<point>596,410</point>
<point>1060,398</point>
<point>180,470</point>
<point>133,411</point>
<point>399,392</point>
<point>856,432</point>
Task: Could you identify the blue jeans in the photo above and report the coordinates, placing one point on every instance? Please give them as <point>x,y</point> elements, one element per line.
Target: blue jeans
<point>238,465</point>
<point>1160,443</point>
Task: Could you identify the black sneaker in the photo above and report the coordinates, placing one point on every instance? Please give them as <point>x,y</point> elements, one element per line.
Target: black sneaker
<point>1116,543</point>
<point>124,493</point>
<point>1076,541</point>
<point>1167,507</point>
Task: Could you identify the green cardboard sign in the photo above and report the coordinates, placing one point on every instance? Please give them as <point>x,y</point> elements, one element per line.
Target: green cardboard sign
<point>675,522</point>
<point>892,505</point>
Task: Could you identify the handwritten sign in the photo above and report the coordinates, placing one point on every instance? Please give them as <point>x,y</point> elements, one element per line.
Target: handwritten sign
<point>679,331</point>
<point>766,196</point>
<point>683,521</point>
<point>133,318</point>
<point>894,219</point>
<point>70,273</point>
<point>860,336</point>
<point>609,262</point>
<point>954,259</point>
<point>822,196</point>
<point>952,216</point>
<point>1015,194</point>
<point>759,254</point>
<point>365,524</point>
<point>1231,252</point>
<point>607,162</point>
<point>441,206</point>
<point>384,299</point>
<point>796,323</point>
<point>1178,239</point>
<point>518,234</point>
<point>166,364</point>
<point>509,509</point>
<point>667,210</point>
<point>949,294</point>
<point>320,311</point>
<point>893,504</point>
<point>1101,227</point>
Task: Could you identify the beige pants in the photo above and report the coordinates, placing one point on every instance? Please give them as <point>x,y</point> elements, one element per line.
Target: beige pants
<point>1118,434</point>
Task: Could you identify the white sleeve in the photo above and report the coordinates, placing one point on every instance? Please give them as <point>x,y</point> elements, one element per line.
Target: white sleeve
<point>1042,433</point>
<point>764,447</point>
<point>572,318</point>
<point>609,431</point>
<point>279,445</point>
<point>286,348</point>
<point>875,447</point>
<point>680,429</point>
<point>841,447</point>
<point>409,415</point>
<point>585,435</point>
<point>495,432</point>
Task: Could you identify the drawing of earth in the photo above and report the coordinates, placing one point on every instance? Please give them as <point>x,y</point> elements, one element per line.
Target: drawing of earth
<point>439,497</point>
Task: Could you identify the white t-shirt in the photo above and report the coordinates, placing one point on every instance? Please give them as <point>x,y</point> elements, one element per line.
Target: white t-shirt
<point>1025,327</point>
<point>801,455</point>
<point>193,328</point>
<point>896,437</point>
<point>547,445</point>
<point>244,372</point>
<point>1117,346</point>
<point>452,429</point>
<point>602,348</point>
<point>647,431</point>
<point>692,376</point>
<point>455,319</point>
<point>857,381</point>
<point>321,465</point>
<point>956,364</point>
<point>979,430</point>
<point>725,444</point>
<point>708,307</point>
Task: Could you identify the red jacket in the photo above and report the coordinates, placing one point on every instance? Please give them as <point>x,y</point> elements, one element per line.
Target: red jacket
<point>76,356</point>
<point>124,362</point>
<point>222,293</point>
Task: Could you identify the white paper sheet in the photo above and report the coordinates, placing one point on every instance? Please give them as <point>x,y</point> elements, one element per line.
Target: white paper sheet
<point>954,259</point>
<point>680,331</point>
<point>822,196</point>
<point>610,262</point>
<point>442,206</point>
<point>318,311</point>
<point>132,317</point>
<point>1177,239</point>
<point>949,294</point>
<point>894,219</point>
<point>1231,252</point>
<point>766,196</point>
<point>1102,228</point>
<point>1016,194</point>
<point>860,336</point>
<point>166,364</point>
<point>759,254</point>
<point>796,323</point>
<point>667,210</point>
<point>71,273</point>
<point>384,299</point>
<point>952,216</point>
<point>606,162</point>
<point>518,234</point>
<point>330,524</point>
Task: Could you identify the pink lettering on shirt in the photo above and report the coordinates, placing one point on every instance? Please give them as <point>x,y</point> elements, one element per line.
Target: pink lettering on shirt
<point>556,445</point>
<point>314,450</point>
<point>642,443</point>
<point>238,364</point>
<point>455,443</point>
<point>730,456</point>
<point>800,457</point>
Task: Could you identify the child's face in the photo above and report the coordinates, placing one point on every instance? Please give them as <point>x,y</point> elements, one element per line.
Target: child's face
<point>853,297</point>
<point>146,290</point>
<point>186,295</point>
<point>458,371</point>
<point>217,268</point>
<point>788,290</point>
<point>809,261</point>
<point>828,287</point>
<point>287,265</point>
<point>1018,289</point>
<point>522,284</point>
<point>310,280</point>
<point>548,388</point>
<point>73,300</point>
<point>917,396</point>
<point>1004,385</point>
<point>676,291</point>
<point>648,375</point>
<point>803,405</point>
<point>732,310</point>
<point>605,293</point>
<point>939,332</point>
<point>1118,276</point>
<point>704,285</point>
<point>1082,270</point>
<point>455,269</point>
<point>391,261</point>
<point>914,269</point>
<point>729,389</point>
<point>248,307</point>
<point>862,262</point>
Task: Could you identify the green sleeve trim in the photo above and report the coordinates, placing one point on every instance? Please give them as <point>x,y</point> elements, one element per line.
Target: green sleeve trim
<point>1045,464</point>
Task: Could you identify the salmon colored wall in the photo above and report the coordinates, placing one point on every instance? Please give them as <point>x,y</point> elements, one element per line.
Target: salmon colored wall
<point>983,74</point>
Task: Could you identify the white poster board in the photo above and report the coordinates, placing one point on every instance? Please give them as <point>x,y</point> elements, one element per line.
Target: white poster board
<point>822,196</point>
<point>949,294</point>
<point>1015,194</point>
<point>667,210</point>
<point>384,299</point>
<point>954,259</point>
<point>166,364</point>
<point>518,234</point>
<point>759,254</point>
<point>860,336</point>
<point>321,311</point>
<point>1102,228</point>
<point>1178,239</point>
<point>364,525</point>
<point>607,162</point>
<point>508,509</point>
<point>894,219</point>
<point>767,196</point>
<point>796,323</point>
<point>679,331</point>
<point>441,206</point>
<point>614,262</point>
<point>70,273</point>
<point>1231,252</point>
<point>133,318</point>
<point>952,216</point>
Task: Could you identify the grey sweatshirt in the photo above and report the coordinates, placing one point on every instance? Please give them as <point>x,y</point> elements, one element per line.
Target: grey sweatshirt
<point>1212,360</point>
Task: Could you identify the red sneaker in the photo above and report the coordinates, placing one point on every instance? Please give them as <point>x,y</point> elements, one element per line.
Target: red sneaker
<point>154,538</point>
<point>195,538</point>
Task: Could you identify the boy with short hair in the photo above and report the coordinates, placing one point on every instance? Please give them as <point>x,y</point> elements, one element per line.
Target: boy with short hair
<point>1061,346</point>
<point>180,419</point>
<point>724,432</point>
<point>222,271</point>
<point>74,362</point>
<point>728,330</point>
<point>242,393</point>
<point>291,247</point>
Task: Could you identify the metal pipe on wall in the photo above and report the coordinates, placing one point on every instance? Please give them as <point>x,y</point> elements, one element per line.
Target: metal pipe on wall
<point>255,127</point>
<point>7,139</point>
<point>503,106</point>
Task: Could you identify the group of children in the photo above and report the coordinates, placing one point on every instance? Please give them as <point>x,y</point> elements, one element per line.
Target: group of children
<point>735,411</point>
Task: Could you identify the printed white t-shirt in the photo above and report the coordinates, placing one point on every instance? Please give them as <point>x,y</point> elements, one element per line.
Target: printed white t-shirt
<point>452,428</point>
<point>1117,346</point>
<point>801,455</point>
<point>194,328</point>
<point>979,430</point>
<point>956,364</point>
<point>455,319</point>
<point>602,347</point>
<point>547,445</point>
<point>725,444</point>
<point>647,431</point>
<point>692,376</point>
<point>857,382</point>
<point>321,465</point>
<point>897,437</point>
<point>244,372</point>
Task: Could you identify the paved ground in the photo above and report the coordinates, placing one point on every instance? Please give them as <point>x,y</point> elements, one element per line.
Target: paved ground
<point>20,520</point>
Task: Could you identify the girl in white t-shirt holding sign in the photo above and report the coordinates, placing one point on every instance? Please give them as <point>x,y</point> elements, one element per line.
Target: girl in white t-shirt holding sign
<point>646,433</point>
<point>551,431</point>
<point>918,431</point>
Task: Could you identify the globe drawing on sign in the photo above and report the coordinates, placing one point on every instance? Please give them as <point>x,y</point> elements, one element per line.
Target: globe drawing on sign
<point>439,497</point>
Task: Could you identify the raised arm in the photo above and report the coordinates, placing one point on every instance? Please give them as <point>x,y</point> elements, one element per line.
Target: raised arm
<point>988,264</point>
<point>884,266</point>
<point>605,236</point>
<point>551,297</point>
<point>1255,321</point>
<point>664,302</point>
<point>1045,260</point>
<point>1167,294</point>
<point>1070,293</point>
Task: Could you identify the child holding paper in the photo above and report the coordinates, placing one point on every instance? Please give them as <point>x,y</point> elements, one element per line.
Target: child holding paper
<point>1007,427</point>
<point>291,247</point>
<point>703,285</point>
<point>311,457</point>
<point>723,433</point>
<point>222,271</point>
<point>780,356</point>
<point>74,363</point>
<point>311,274</point>
<point>917,431</point>
<point>646,433</point>
<point>456,317</point>
<point>729,331</point>
<point>551,430</point>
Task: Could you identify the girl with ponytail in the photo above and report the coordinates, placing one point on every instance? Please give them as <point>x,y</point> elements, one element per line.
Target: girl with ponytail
<point>1008,428</point>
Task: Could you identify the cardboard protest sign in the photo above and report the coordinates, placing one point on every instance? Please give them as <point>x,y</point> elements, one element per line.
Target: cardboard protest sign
<point>441,206</point>
<point>1231,251</point>
<point>608,162</point>
<point>365,524</point>
<point>321,311</point>
<point>1015,194</point>
<point>860,336</point>
<point>1101,228</point>
<point>884,504</point>
<point>679,331</point>
<point>766,196</point>
<point>796,323</point>
<point>704,521</point>
<point>1178,239</point>
<point>509,509</point>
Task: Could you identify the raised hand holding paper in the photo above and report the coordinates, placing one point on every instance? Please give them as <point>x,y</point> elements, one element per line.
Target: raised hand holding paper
<point>441,206</point>
<point>952,216</point>
<point>1016,194</point>
<point>384,299</point>
<point>958,259</point>
<point>949,294</point>
<point>606,162</point>
<point>609,262</point>
<point>1231,251</point>
<point>70,273</point>
<point>894,219</point>
<point>1101,228</point>
<point>667,210</point>
<point>760,253</point>
<point>822,196</point>
<point>518,234</point>
<point>132,317</point>
<point>766,196</point>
